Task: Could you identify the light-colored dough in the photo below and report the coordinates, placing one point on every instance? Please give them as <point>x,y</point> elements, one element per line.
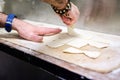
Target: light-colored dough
<point>56,43</point>
<point>101,40</point>
<point>78,43</point>
<point>98,44</point>
<point>60,41</point>
<point>90,54</point>
<point>72,50</point>
<point>71,31</point>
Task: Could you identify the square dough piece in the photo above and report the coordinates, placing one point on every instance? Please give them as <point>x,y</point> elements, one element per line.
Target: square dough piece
<point>98,44</point>
<point>78,43</point>
<point>60,41</point>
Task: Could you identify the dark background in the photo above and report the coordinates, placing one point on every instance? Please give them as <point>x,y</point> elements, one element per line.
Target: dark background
<point>12,68</point>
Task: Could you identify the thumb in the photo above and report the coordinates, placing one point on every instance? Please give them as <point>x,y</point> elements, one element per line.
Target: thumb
<point>66,20</point>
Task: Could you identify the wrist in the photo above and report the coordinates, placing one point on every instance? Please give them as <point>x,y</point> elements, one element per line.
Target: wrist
<point>15,24</point>
<point>9,21</point>
<point>18,24</point>
<point>64,10</point>
<point>3,18</point>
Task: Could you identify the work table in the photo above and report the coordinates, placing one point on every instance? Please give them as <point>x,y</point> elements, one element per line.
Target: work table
<point>60,66</point>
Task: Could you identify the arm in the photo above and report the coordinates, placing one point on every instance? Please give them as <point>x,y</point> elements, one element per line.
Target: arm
<point>60,4</point>
<point>29,31</point>
<point>2,19</point>
<point>72,14</point>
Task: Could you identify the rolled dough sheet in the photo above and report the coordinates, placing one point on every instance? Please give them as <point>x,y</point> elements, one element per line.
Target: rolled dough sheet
<point>106,62</point>
<point>60,40</point>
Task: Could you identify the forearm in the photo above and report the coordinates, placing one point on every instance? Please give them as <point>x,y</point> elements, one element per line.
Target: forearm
<point>60,4</point>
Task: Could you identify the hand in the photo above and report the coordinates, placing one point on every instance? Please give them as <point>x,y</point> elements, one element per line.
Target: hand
<point>71,16</point>
<point>32,32</point>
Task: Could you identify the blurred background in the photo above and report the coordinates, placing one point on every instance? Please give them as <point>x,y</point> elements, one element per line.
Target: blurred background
<point>96,15</point>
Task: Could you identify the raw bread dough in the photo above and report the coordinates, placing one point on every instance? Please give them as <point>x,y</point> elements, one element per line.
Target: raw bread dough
<point>71,31</point>
<point>101,40</point>
<point>60,41</point>
<point>78,43</point>
<point>72,50</point>
<point>91,54</point>
<point>56,43</point>
<point>98,44</point>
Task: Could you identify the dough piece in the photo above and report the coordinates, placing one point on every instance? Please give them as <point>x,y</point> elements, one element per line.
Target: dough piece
<point>60,41</point>
<point>78,43</point>
<point>86,36</point>
<point>99,39</point>
<point>71,31</point>
<point>98,44</point>
<point>92,54</point>
<point>56,43</point>
<point>72,50</point>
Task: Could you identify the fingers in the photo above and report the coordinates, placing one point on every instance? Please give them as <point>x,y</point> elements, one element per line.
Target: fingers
<point>68,20</point>
<point>71,16</point>
<point>33,37</point>
<point>52,31</point>
<point>38,37</point>
<point>36,34</point>
<point>48,31</point>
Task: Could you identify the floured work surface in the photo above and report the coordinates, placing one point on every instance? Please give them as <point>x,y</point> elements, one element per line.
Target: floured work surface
<point>106,62</point>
